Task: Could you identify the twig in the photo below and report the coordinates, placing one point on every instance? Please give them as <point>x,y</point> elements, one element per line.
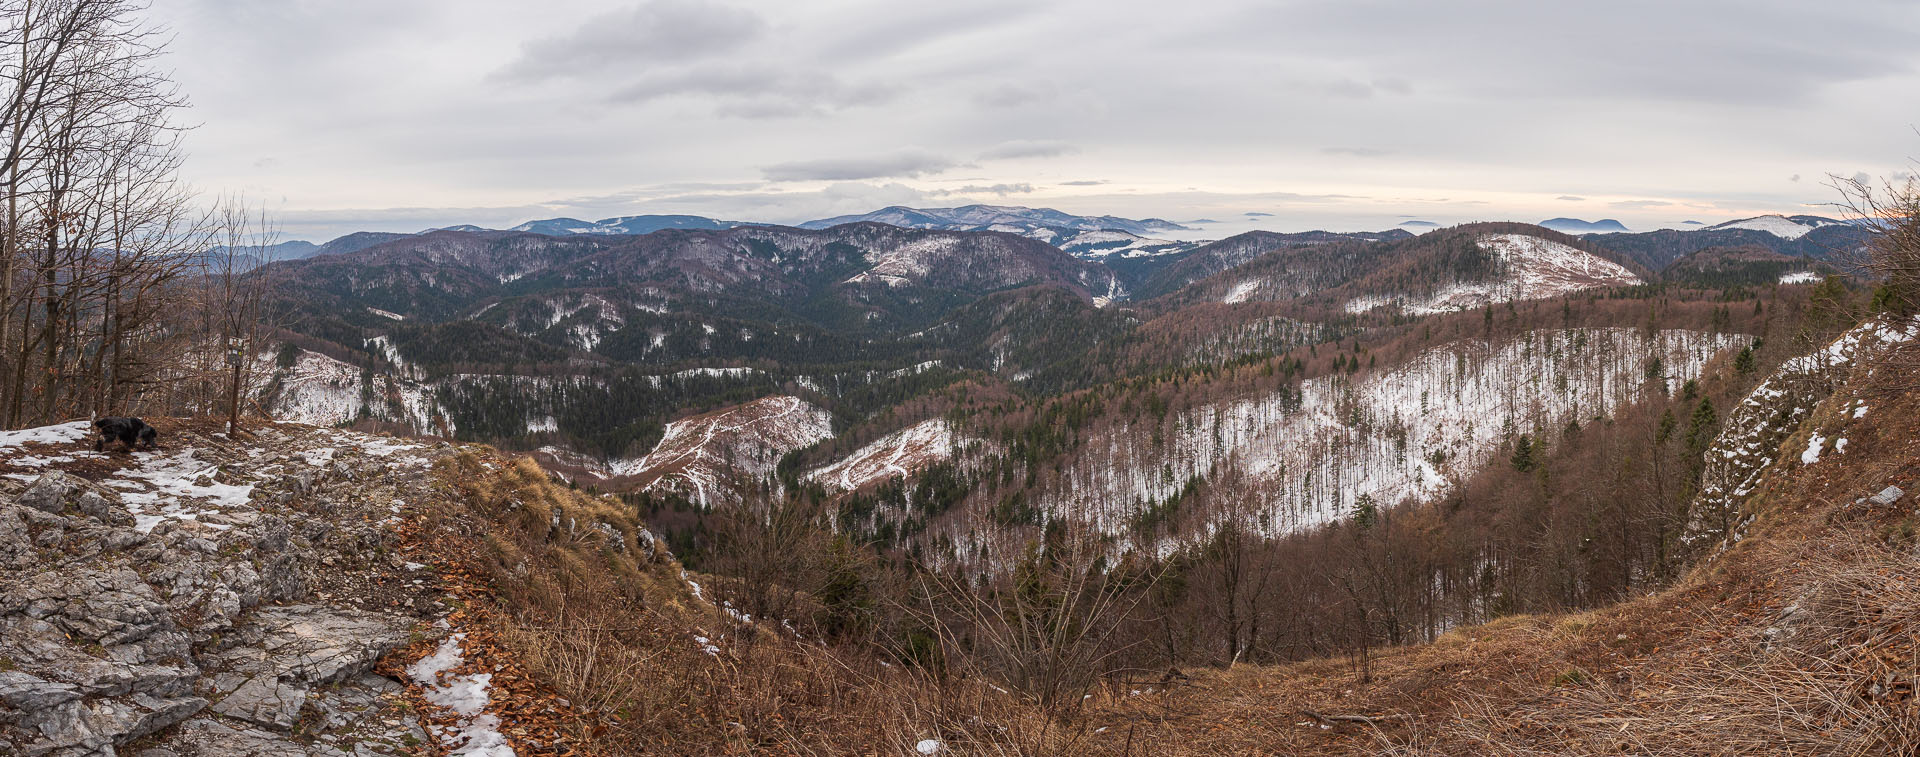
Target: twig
<point>1364,719</point>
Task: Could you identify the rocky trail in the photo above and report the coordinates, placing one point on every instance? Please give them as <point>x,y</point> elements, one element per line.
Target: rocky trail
<point>226,596</point>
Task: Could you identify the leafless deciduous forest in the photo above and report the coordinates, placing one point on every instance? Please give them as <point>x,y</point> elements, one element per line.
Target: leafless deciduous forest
<point>118,293</point>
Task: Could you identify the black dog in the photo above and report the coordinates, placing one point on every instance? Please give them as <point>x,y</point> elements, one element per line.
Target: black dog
<point>129,431</point>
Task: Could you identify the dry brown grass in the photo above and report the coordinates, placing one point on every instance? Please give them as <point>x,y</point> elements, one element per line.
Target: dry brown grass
<point>615,634</point>
<point>1803,639</point>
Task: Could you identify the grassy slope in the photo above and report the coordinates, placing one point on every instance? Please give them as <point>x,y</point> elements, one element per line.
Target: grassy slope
<point>1801,639</point>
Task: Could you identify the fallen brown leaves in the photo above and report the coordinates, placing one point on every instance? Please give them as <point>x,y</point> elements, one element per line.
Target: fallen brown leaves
<point>532,717</point>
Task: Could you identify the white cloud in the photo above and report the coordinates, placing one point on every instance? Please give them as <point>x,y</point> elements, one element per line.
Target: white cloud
<point>361,110</point>
<point>660,31</point>
<point>907,163</point>
<point>1028,148</point>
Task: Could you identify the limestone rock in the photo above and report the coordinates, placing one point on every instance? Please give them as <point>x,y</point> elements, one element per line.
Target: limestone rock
<point>48,492</point>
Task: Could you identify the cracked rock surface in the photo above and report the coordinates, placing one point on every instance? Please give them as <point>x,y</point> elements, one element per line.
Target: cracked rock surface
<point>214,597</point>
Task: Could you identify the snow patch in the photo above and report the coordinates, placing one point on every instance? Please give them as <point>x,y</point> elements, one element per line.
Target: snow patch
<point>897,454</point>
<point>476,733</point>
<point>1535,269</point>
<point>1241,291</point>
<point>707,457</point>
<point>1812,455</point>
<point>174,487</point>
<point>65,433</point>
<point>1779,226</point>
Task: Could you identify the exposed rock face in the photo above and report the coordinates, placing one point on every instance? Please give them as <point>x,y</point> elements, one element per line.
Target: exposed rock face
<point>148,603</point>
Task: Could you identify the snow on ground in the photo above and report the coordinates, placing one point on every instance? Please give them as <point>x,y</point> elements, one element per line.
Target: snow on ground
<point>706,372</point>
<point>1111,243</point>
<point>914,370</point>
<point>1535,269</point>
<point>900,453</point>
<point>384,345</point>
<point>386,314</point>
<point>1241,291</point>
<point>905,263</point>
<point>321,391</point>
<point>477,733</point>
<point>1812,455</point>
<point>708,457</point>
<point>175,486</point>
<point>182,481</point>
<point>1751,437</point>
<point>1405,433</point>
<point>1800,277</point>
<point>1779,226</point>
<point>1360,305</point>
<point>65,433</point>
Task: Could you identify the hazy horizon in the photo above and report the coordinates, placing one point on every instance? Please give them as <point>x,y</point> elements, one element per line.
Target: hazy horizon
<point>358,115</point>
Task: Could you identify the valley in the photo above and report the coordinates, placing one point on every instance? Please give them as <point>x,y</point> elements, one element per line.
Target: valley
<point>723,378</point>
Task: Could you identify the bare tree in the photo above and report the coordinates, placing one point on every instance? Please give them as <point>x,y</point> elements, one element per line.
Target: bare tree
<point>1892,209</point>
<point>95,220</point>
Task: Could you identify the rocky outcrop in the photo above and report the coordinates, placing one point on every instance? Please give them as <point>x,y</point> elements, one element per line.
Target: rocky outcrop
<point>210,599</point>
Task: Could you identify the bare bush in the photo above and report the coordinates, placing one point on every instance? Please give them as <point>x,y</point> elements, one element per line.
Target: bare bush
<point>1049,630</point>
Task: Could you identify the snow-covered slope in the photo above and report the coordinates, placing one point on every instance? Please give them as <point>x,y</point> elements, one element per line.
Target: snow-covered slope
<point>1534,268</point>
<point>711,458</point>
<point>1779,226</point>
<point>322,391</point>
<point>621,225</point>
<point>1108,243</point>
<point>1405,433</point>
<point>900,453</point>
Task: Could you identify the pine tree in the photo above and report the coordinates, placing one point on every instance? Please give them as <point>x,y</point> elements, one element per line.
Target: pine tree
<point>1523,454</point>
<point>1365,513</point>
<point>1700,429</point>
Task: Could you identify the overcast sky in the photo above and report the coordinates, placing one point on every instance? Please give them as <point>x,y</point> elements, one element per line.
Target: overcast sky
<point>343,115</point>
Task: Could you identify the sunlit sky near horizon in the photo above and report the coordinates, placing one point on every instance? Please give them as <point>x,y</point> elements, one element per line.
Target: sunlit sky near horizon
<point>345,115</point>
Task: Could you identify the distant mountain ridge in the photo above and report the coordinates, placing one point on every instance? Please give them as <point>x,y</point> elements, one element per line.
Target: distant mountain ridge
<point>1579,226</point>
<point>1007,218</point>
<point>624,225</point>
<point>1785,227</point>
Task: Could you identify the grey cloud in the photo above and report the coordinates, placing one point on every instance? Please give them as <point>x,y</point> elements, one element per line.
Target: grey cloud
<point>1571,198</point>
<point>756,91</point>
<point>1490,92</point>
<point>994,189</point>
<point>1639,204</point>
<point>1691,51</point>
<point>1358,152</point>
<point>1393,85</point>
<point>1084,183</point>
<point>1028,148</point>
<point>1013,95</point>
<point>910,163</point>
<point>659,31</point>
